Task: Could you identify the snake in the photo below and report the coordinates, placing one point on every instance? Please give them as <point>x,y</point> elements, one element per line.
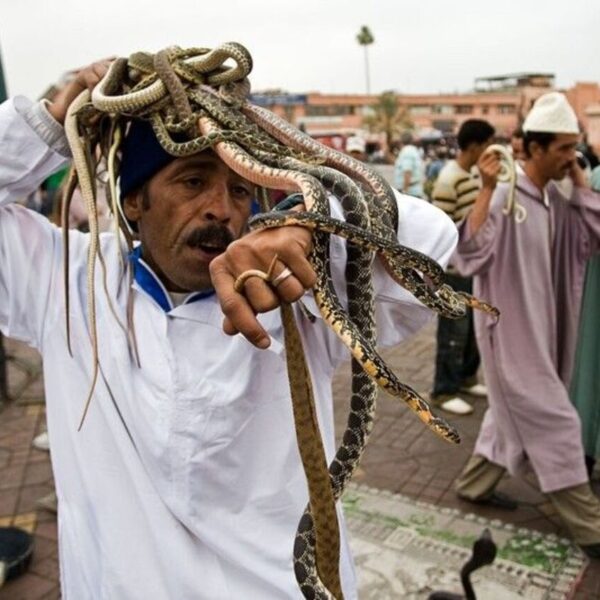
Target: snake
<point>195,101</point>
<point>508,174</point>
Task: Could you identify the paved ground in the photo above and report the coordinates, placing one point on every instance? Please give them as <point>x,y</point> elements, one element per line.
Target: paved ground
<point>402,457</point>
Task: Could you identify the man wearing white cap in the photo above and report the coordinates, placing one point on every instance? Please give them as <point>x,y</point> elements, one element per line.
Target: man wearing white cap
<point>357,148</point>
<point>530,263</point>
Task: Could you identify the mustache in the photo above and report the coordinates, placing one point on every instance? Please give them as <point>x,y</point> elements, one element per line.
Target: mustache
<point>210,235</point>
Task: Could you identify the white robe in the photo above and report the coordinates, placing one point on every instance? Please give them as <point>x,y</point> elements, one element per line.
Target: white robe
<point>189,484</point>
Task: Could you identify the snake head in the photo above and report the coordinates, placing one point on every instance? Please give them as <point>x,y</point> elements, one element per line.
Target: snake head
<point>445,430</point>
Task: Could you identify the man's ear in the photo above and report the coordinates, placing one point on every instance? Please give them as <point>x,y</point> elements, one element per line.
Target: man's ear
<point>535,149</point>
<point>132,206</point>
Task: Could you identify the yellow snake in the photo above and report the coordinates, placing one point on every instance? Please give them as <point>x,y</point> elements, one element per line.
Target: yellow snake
<point>192,91</point>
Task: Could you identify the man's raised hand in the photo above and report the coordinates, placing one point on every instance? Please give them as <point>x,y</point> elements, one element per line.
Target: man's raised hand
<point>85,78</point>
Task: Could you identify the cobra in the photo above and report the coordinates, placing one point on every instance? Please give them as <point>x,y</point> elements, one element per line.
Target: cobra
<point>193,91</point>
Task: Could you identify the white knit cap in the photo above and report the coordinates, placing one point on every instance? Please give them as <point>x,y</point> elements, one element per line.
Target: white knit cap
<point>356,144</point>
<point>551,113</point>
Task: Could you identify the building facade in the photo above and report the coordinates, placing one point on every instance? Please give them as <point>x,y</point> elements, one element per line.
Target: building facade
<point>503,101</point>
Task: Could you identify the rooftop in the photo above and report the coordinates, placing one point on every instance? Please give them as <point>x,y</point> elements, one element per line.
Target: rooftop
<point>514,80</point>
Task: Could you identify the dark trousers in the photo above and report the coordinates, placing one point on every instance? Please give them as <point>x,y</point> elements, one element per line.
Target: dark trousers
<point>457,358</point>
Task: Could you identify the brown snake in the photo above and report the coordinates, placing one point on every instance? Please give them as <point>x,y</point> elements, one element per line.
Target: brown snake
<point>193,92</point>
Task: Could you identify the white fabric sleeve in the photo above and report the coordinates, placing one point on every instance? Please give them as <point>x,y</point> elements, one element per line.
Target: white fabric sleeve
<point>429,230</point>
<point>30,258</point>
<point>399,314</point>
<point>32,148</point>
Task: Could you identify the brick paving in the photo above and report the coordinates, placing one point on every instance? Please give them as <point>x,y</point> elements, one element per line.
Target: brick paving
<point>402,456</point>
<point>26,476</point>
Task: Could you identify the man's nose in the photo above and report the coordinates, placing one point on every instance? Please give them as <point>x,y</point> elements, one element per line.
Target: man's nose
<point>217,206</point>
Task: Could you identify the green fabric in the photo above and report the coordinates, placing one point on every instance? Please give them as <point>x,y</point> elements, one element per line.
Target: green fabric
<point>3,92</point>
<point>585,385</point>
<point>595,179</point>
<point>53,181</point>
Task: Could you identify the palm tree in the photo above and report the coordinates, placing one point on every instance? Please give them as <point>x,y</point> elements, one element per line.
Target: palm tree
<point>365,38</point>
<point>387,116</point>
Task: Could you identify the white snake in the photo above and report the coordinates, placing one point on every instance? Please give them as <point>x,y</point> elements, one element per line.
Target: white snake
<point>508,174</point>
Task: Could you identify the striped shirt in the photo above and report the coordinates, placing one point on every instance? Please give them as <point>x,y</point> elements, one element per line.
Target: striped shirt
<point>456,190</point>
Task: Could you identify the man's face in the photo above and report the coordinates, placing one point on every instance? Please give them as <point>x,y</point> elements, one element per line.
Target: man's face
<point>516,144</point>
<point>555,161</point>
<point>187,214</point>
<point>360,156</point>
<point>479,149</point>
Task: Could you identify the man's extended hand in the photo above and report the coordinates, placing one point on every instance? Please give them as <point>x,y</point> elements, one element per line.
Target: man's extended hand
<point>256,250</point>
<point>489,167</point>
<point>86,78</point>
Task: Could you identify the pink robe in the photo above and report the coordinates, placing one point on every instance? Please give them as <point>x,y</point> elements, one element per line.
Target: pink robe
<point>534,273</point>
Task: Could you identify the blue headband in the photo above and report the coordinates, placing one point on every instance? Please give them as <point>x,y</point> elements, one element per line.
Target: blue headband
<point>141,157</point>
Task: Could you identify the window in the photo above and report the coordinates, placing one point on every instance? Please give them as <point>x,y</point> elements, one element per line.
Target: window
<point>506,109</point>
<point>464,109</point>
<point>329,110</point>
<point>442,109</point>
<point>419,109</point>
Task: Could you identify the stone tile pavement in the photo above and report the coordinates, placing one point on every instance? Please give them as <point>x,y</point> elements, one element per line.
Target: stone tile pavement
<point>402,456</point>
<point>26,476</point>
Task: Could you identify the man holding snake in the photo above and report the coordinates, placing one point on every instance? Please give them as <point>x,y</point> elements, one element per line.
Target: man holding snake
<point>185,481</point>
<point>528,258</point>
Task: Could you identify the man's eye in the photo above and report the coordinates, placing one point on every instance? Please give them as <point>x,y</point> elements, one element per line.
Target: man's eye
<point>193,182</point>
<point>241,190</point>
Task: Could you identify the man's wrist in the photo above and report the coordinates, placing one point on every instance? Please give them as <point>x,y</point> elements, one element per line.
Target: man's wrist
<point>56,113</point>
<point>489,186</point>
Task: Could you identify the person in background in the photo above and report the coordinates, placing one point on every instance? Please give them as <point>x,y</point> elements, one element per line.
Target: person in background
<point>585,385</point>
<point>78,216</point>
<point>595,179</point>
<point>516,144</point>
<point>409,168</point>
<point>456,190</point>
<point>356,147</point>
<point>530,264</point>
<point>588,153</point>
<point>433,168</point>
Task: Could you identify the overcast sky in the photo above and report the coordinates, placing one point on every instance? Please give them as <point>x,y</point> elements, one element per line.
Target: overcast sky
<point>425,46</point>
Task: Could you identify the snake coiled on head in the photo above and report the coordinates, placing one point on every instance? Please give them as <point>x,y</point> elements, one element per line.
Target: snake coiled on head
<point>194,93</point>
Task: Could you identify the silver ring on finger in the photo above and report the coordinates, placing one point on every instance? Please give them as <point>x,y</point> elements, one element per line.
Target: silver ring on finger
<point>281,277</point>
